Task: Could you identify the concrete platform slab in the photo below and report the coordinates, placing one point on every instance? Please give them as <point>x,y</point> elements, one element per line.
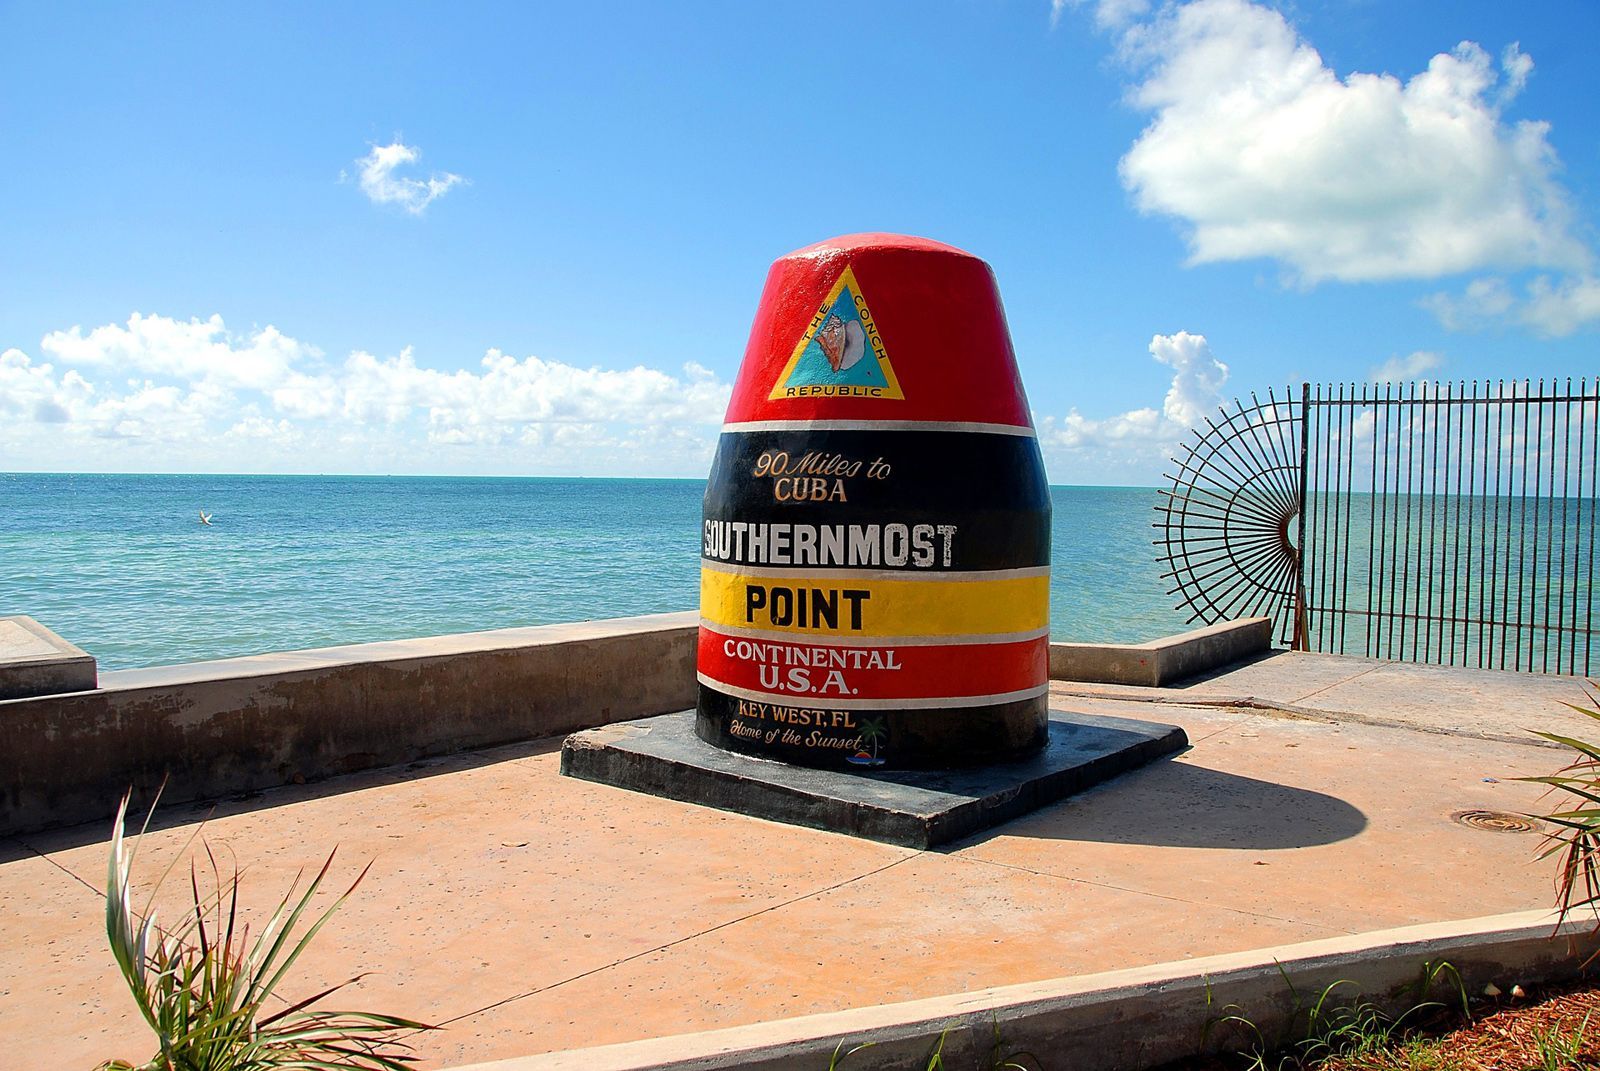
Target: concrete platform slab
<point>529,911</point>
<point>48,916</point>
<point>496,881</point>
<point>928,925</point>
<point>1490,704</point>
<point>1342,826</point>
<point>912,808</point>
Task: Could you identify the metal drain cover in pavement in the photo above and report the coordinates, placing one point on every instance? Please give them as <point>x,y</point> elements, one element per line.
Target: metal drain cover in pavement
<point>1496,821</point>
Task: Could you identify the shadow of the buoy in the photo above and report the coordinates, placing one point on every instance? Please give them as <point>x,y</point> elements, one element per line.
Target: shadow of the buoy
<point>1181,805</point>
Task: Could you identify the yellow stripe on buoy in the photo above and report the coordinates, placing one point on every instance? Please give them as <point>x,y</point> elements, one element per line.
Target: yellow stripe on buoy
<point>831,605</point>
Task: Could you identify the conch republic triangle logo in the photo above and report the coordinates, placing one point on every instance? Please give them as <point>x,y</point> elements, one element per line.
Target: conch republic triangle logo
<point>841,354</point>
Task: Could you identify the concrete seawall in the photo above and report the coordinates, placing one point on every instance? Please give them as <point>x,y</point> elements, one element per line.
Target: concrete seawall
<point>220,728</point>
<point>1160,662</point>
<point>214,729</point>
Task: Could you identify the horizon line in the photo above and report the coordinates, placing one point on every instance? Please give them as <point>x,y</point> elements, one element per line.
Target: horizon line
<point>7,473</point>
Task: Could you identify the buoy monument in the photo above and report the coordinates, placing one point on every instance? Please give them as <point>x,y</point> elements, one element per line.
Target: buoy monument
<point>876,546</point>
<point>872,649</point>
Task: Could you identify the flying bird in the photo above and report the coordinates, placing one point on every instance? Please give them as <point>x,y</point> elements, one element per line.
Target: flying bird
<point>205,518</point>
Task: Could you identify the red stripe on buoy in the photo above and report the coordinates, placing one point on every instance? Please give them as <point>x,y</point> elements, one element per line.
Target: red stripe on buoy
<point>802,672</point>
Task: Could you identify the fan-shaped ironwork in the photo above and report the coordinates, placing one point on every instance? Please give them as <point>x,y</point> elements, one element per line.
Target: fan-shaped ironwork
<point>1230,521</point>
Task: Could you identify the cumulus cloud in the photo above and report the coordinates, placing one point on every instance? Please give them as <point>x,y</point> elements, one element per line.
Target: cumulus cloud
<point>1550,306</point>
<point>500,403</point>
<point>1132,441</point>
<point>1482,300</point>
<point>1197,377</point>
<point>1560,307</point>
<point>153,413</point>
<point>200,350</point>
<point>196,384</point>
<point>377,179</point>
<point>1412,365</point>
<point>29,390</point>
<point>1260,150</point>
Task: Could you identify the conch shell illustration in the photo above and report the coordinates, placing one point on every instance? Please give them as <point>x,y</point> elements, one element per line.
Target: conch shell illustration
<point>843,342</point>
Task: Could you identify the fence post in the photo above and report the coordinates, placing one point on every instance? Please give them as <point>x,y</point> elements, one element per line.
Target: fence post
<point>1302,623</point>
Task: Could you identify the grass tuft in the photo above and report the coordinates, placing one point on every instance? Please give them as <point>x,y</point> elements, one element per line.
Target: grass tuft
<point>203,985</point>
<point>1340,1024</point>
<point>1560,1048</point>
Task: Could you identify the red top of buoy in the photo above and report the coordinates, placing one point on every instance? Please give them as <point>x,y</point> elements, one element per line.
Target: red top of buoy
<point>874,327</point>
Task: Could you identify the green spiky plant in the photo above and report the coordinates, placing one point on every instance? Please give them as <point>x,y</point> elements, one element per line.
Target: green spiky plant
<point>204,985</point>
<point>1573,832</point>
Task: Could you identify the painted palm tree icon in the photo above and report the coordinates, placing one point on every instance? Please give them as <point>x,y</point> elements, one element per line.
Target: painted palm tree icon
<point>843,342</point>
<point>873,732</point>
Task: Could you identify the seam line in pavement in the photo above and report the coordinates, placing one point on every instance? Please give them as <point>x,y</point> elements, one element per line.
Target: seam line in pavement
<point>1195,741</point>
<point>1162,896</point>
<point>676,941</point>
<point>1340,684</point>
<point>1313,714</point>
<point>58,866</point>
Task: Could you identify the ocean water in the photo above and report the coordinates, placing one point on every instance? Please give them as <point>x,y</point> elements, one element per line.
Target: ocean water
<point>122,566</point>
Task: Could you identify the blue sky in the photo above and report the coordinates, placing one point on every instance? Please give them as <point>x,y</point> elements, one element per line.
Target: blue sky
<point>223,252</point>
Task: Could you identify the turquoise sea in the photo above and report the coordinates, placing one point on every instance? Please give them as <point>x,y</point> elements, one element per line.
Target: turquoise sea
<point>122,566</point>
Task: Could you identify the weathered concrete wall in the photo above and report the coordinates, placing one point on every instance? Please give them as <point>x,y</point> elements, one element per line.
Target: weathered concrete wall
<point>238,725</point>
<point>220,728</point>
<point>1123,1020</point>
<point>35,661</point>
<point>1161,661</point>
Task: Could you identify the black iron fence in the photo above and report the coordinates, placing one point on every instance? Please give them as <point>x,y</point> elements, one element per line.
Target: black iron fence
<point>1447,523</point>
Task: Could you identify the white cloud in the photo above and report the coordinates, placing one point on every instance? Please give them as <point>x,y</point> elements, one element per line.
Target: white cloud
<point>1552,307</point>
<point>30,391</point>
<point>1517,66</point>
<point>201,350</point>
<point>382,186</point>
<point>1108,14</point>
<point>500,403</point>
<point>1560,308</point>
<point>255,426</point>
<point>1261,151</point>
<point>164,394</point>
<point>1197,377</point>
<point>1482,300</point>
<point>1129,444</point>
<point>148,412</point>
<point>263,400</point>
<point>1410,366</point>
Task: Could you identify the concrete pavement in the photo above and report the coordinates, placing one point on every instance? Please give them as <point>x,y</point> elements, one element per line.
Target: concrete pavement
<point>527,912</point>
<point>1486,703</point>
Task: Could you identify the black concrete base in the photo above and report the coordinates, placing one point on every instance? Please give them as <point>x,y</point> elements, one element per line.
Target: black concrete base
<point>913,808</point>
